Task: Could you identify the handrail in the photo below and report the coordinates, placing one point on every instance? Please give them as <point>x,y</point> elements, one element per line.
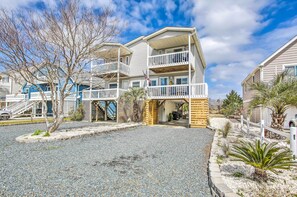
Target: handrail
<point>173,53</point>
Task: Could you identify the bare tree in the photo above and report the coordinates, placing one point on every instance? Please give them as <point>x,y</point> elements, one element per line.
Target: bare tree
<point>53,46</point>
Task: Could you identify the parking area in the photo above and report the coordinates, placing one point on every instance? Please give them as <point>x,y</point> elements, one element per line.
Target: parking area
<point>144,161</point>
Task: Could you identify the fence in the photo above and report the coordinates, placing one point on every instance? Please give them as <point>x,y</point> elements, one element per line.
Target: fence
<point>263,129</point>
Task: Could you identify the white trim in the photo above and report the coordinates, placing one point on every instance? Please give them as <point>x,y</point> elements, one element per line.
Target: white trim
<point>155,79</point>
<point>113,83</point>
<point>134,41</point>
<point>131,83</point>
<point>163,78</point>
<point>279,50</point>
<point>180,77</point>
<point>287,65</point>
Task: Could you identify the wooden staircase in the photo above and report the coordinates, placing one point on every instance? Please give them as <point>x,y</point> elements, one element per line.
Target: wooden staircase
<point>199,113</point>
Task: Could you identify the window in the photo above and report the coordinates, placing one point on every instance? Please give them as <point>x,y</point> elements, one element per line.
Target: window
<point>5,79</point>
<point>253,78</point>
<point>113,86</point>
<point>181,80</point>
<point>292,70</point>
<point>136,84</point>
<point>121,59</point>
<point>127,60</point>
<point>153,82</point>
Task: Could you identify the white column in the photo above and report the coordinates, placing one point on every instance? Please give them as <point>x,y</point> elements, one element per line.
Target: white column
<point>118,83</point>
<point>147,63</point>
<point>190,79</point>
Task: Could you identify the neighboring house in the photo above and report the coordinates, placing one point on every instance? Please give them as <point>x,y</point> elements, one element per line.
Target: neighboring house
<point>8,85</point>
<point>169,64</point>
<point>28,98</point>
<point>284,58</point>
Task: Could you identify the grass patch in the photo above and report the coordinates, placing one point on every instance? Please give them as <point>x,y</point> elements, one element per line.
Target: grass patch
<point>47,134</point>
<point>37,132</point>
<point>20,122</point>
<point>237,174</point>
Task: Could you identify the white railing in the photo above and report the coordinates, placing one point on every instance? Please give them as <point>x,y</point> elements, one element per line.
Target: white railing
<point>199,90</point>
<point>178,91</point>
<point>110,68</point>
<point>15,97</point>
<point>177,58</point>
<point>36,96</point>
<point>103,94</point>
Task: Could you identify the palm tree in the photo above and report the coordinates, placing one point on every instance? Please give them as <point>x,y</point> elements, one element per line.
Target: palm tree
<point>134,95</point>
<point>277,95</point>
<point>263,157</point>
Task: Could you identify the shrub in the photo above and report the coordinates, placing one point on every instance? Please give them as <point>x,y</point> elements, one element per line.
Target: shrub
<point>226,130</point>
<point>47,134</point>
<point>237,174</point>
<point>226,149</point>
<point>77,115</point>
<point>170,117</point>
<point>263,157</point>
<point>37,132</point>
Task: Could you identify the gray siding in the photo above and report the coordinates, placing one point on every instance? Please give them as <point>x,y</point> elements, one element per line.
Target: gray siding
<point>248,94</point>
<point>274,66</point>
<point>138,62</point>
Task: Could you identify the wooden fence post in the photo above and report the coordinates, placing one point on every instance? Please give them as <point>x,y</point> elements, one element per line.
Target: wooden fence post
<point>248,125</point>
<point>241,122</point>
<point>262,131</point>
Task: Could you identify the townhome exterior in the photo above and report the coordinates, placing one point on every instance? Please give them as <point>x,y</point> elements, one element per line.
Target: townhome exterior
<point>169,64</point>
<point>284,58</point>
<point>26,97</point>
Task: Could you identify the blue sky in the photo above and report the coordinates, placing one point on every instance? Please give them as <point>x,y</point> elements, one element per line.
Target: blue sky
<point>235,35</point>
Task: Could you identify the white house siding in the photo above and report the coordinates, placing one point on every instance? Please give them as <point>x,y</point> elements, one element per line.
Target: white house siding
<point>199,69</point>
<point>270,69</point>
<point>274,66</point>
<point>138,61</point>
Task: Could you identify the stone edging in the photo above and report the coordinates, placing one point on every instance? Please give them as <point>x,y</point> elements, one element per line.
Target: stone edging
<point>69,134</point>
<point>218,188</point>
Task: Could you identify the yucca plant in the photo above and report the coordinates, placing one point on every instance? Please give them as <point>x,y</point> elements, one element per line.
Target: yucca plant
<point>263,157</point>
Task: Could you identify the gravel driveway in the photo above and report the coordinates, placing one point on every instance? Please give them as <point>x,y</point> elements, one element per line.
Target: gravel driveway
<point>144,161</point>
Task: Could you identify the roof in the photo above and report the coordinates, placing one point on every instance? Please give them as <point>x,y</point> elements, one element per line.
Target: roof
<point>134,41</point>
<point>262,64</point>
<point>181,29</point>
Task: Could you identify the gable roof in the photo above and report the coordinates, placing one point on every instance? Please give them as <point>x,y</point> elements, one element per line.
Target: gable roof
<point>262,64</point>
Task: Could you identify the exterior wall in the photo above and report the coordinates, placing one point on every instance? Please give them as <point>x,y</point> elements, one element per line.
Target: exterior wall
<point>138,58</point>
<point>198,76</point>
<point>248,94</point>
<point>270,69</point>
<point>274,66</point>
<point>165,109</point>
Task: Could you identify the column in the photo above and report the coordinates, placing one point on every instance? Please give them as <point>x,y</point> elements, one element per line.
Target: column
<point>190,79</point>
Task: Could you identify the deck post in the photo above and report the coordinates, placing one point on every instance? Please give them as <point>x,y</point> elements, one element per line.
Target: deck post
<point>262,131</point>
<point>147,65</point>
<point>241,122</point>
<point>118,83</point>
<point>248,125</point>
<point>105,110</point>
<point>189,80</point>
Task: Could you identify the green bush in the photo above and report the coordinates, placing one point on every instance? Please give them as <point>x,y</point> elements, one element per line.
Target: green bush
<point>77,115</point>
<point>37,132</point>
<point>237,174</point>
<point>47,134</point>
<point>263,157</point>
<point>170,117</point>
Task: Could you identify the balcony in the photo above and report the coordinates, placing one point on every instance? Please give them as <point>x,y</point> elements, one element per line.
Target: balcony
<point>36,96</point>
<point>199,90</point>
<point>170,62</point>
<point>15,97</point>
<point>108,70</point>
<point>102,94</point>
